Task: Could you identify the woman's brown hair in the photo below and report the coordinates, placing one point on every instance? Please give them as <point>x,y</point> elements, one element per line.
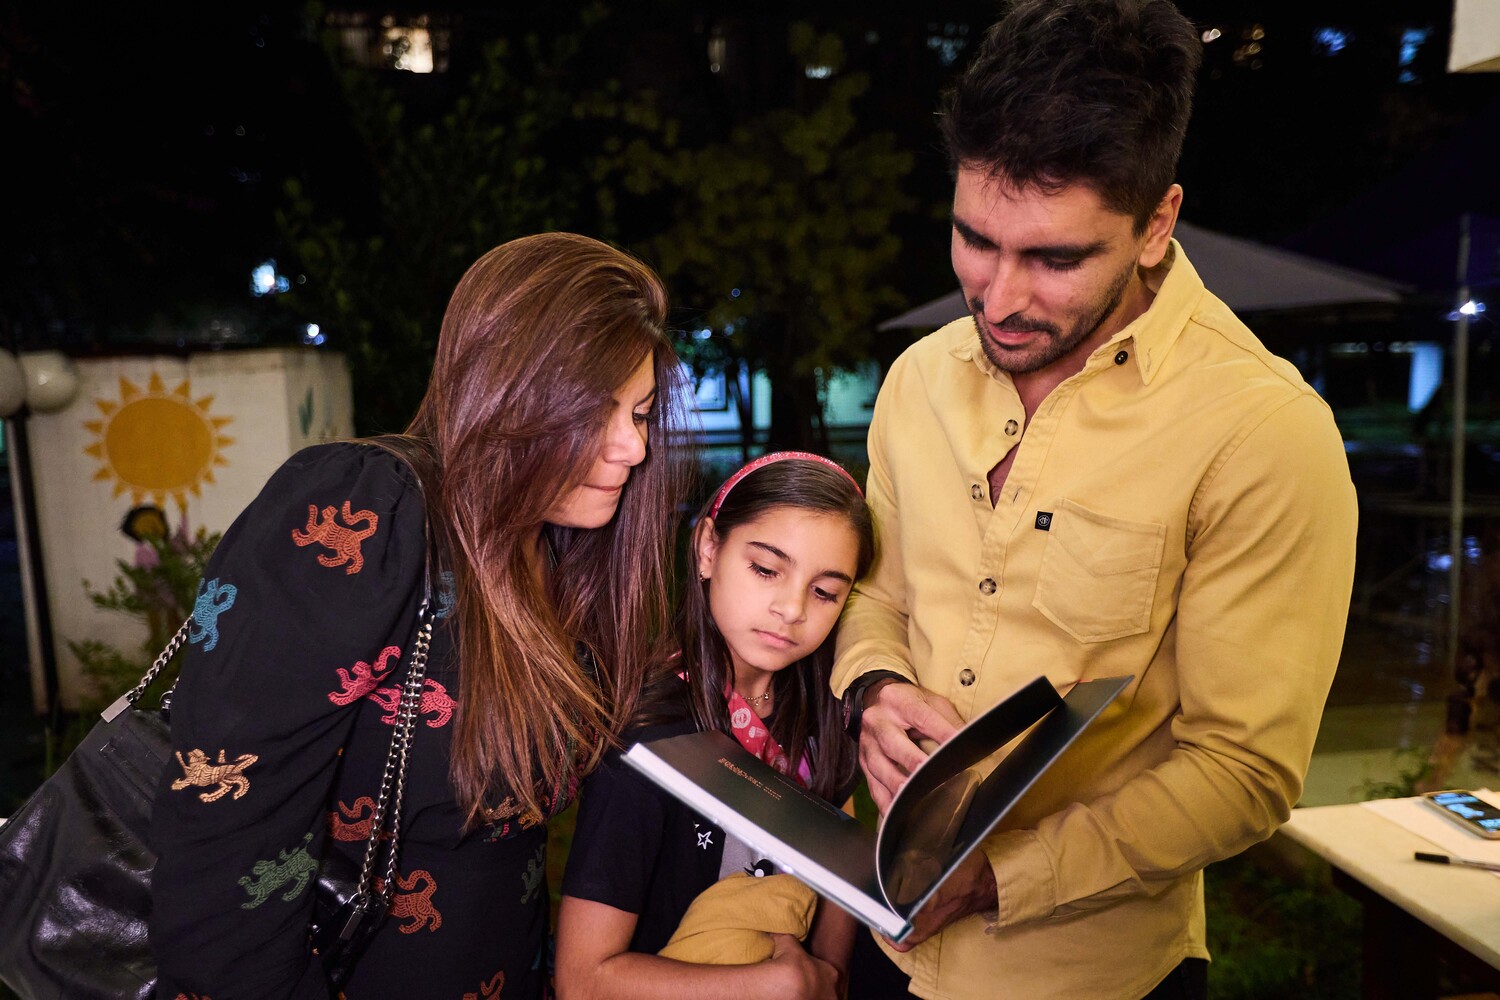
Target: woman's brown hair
<point>538,336</point>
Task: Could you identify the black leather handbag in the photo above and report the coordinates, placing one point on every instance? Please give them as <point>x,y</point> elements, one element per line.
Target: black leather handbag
<point>76,861</point>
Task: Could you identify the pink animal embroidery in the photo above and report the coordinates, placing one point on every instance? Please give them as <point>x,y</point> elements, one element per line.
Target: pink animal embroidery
<point>356,821</point>
<point>196,770</point>
<point>416,905</point>
<point>343,539</point>
<point>489,990</point>
<point>361,680</point>
<point>435,699</point>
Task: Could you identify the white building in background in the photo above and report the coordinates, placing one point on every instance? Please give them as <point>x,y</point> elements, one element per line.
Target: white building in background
<point>196,436</point>
<point>847,405</point>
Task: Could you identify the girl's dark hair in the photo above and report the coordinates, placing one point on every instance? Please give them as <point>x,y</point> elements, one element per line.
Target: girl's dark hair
<point>809,720</point>
<point>538,336</point>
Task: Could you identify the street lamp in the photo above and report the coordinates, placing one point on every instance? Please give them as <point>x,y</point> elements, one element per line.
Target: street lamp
<point>40,382</point>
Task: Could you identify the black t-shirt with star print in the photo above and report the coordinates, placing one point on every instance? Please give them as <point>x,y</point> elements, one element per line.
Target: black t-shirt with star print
<point>640,850</point>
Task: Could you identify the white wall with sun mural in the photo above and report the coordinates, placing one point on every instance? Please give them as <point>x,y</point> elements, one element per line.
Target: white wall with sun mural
<point>196,436</point>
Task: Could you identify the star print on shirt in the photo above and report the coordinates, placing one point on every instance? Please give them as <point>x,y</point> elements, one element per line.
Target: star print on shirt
<point>705,839</point>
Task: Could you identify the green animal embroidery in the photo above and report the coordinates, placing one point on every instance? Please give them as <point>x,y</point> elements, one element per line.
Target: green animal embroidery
<point>536,871</point>
<point>291,866</point>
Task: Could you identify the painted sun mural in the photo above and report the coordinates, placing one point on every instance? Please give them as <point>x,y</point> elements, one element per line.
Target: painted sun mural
<point>154,443</point>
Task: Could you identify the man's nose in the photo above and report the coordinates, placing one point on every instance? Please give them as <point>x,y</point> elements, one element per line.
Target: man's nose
<point>1008,292</point>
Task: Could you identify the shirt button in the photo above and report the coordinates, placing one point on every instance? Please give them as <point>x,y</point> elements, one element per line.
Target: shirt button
<point>1011,427</point>
<point>966,677</point>
<point>976,491</point>
<point>1122,357</point>
<point>986,586</point>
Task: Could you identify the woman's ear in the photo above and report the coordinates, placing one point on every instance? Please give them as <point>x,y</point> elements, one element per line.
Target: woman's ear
<point>705,547</point>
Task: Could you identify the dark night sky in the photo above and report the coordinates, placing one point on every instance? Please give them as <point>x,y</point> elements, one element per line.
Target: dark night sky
<point>149,144</point>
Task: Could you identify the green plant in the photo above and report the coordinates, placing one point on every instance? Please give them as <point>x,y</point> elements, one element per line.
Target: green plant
<point>1414,764</point>
<point>1279,934</point>
<point>159,587</point>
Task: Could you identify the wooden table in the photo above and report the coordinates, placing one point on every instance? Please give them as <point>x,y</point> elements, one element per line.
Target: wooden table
<point>1416,915</point>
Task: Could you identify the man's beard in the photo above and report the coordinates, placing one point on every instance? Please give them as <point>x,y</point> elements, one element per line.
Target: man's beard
<point>1055,345</point>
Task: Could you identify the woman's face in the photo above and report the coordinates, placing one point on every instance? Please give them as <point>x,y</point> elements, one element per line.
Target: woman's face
<point>622,446</point>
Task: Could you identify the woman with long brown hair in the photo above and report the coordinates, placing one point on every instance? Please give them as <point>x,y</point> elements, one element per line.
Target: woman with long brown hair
<point>529,507</point>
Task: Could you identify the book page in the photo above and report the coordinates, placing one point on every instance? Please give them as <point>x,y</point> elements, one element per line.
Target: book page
<point>943,811</point>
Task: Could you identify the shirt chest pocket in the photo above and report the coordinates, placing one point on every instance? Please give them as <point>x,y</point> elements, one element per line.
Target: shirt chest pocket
<point>1098,575</point>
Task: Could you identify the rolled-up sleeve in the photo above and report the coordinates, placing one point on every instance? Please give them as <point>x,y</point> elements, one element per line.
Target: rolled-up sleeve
<point>872,633</point>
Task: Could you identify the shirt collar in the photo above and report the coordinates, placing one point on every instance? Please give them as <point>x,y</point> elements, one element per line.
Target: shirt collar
<point>1177,289</point>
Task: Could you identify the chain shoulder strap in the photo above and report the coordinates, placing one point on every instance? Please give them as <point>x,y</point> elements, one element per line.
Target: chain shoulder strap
<point>392,789</point>
<point>392,783</point>
<point>130,697</point>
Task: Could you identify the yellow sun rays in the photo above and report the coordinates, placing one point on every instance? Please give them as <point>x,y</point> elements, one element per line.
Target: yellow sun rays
<point>155,444</point>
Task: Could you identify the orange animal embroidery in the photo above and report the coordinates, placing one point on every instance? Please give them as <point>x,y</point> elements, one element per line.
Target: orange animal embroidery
<point>415,904</point>
<point>361,680</point>
<point>435,699</point>
<point>489,990</point>
<point>196,770</point>
<point>356,822</point>
<point>343,539</point>
<point>508,809</point>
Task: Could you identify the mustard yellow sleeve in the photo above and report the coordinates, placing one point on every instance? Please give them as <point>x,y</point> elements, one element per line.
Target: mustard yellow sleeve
<point>872,631</point>
<point>1259,626</point>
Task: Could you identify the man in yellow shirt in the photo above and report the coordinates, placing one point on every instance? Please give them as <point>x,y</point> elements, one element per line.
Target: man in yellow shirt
<point>1101,472</point>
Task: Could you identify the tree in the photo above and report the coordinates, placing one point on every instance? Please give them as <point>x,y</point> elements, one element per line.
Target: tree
<point>781,236</point>
<point>511,156</point>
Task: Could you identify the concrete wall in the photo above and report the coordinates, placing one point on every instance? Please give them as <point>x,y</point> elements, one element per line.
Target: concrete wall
<point>195,436</point>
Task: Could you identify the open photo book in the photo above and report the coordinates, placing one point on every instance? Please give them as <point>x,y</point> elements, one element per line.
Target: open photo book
<point>947,806</point>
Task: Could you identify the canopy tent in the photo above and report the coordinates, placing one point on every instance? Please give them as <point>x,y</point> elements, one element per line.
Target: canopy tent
<point>1246,275</point>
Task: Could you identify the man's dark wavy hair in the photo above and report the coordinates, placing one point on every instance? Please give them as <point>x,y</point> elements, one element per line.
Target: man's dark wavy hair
<point>1063,92</point>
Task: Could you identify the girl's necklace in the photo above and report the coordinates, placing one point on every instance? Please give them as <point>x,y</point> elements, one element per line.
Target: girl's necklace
<point>759,699</point>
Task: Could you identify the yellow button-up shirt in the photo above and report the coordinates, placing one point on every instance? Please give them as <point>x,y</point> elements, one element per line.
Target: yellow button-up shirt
<point>1180,510</point>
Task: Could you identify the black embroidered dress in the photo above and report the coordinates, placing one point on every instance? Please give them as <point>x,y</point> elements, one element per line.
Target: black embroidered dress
<point>281,724</point>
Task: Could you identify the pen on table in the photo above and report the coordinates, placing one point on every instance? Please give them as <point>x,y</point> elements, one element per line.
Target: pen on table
<point>1443,859</point>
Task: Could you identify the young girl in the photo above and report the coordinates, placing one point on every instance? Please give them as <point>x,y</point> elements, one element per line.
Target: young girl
<point>777,551</point>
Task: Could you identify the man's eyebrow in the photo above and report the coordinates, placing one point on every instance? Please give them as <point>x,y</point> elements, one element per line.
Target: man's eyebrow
<point>971,235</point>
<point>767,546</point>
<point>1069,251</point>
<point>1066,251</point>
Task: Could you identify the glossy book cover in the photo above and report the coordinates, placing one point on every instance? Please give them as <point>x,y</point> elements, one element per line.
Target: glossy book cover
<point>944,810</point>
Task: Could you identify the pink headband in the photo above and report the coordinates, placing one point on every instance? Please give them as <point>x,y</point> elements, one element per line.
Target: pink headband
<point>764,460</point>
